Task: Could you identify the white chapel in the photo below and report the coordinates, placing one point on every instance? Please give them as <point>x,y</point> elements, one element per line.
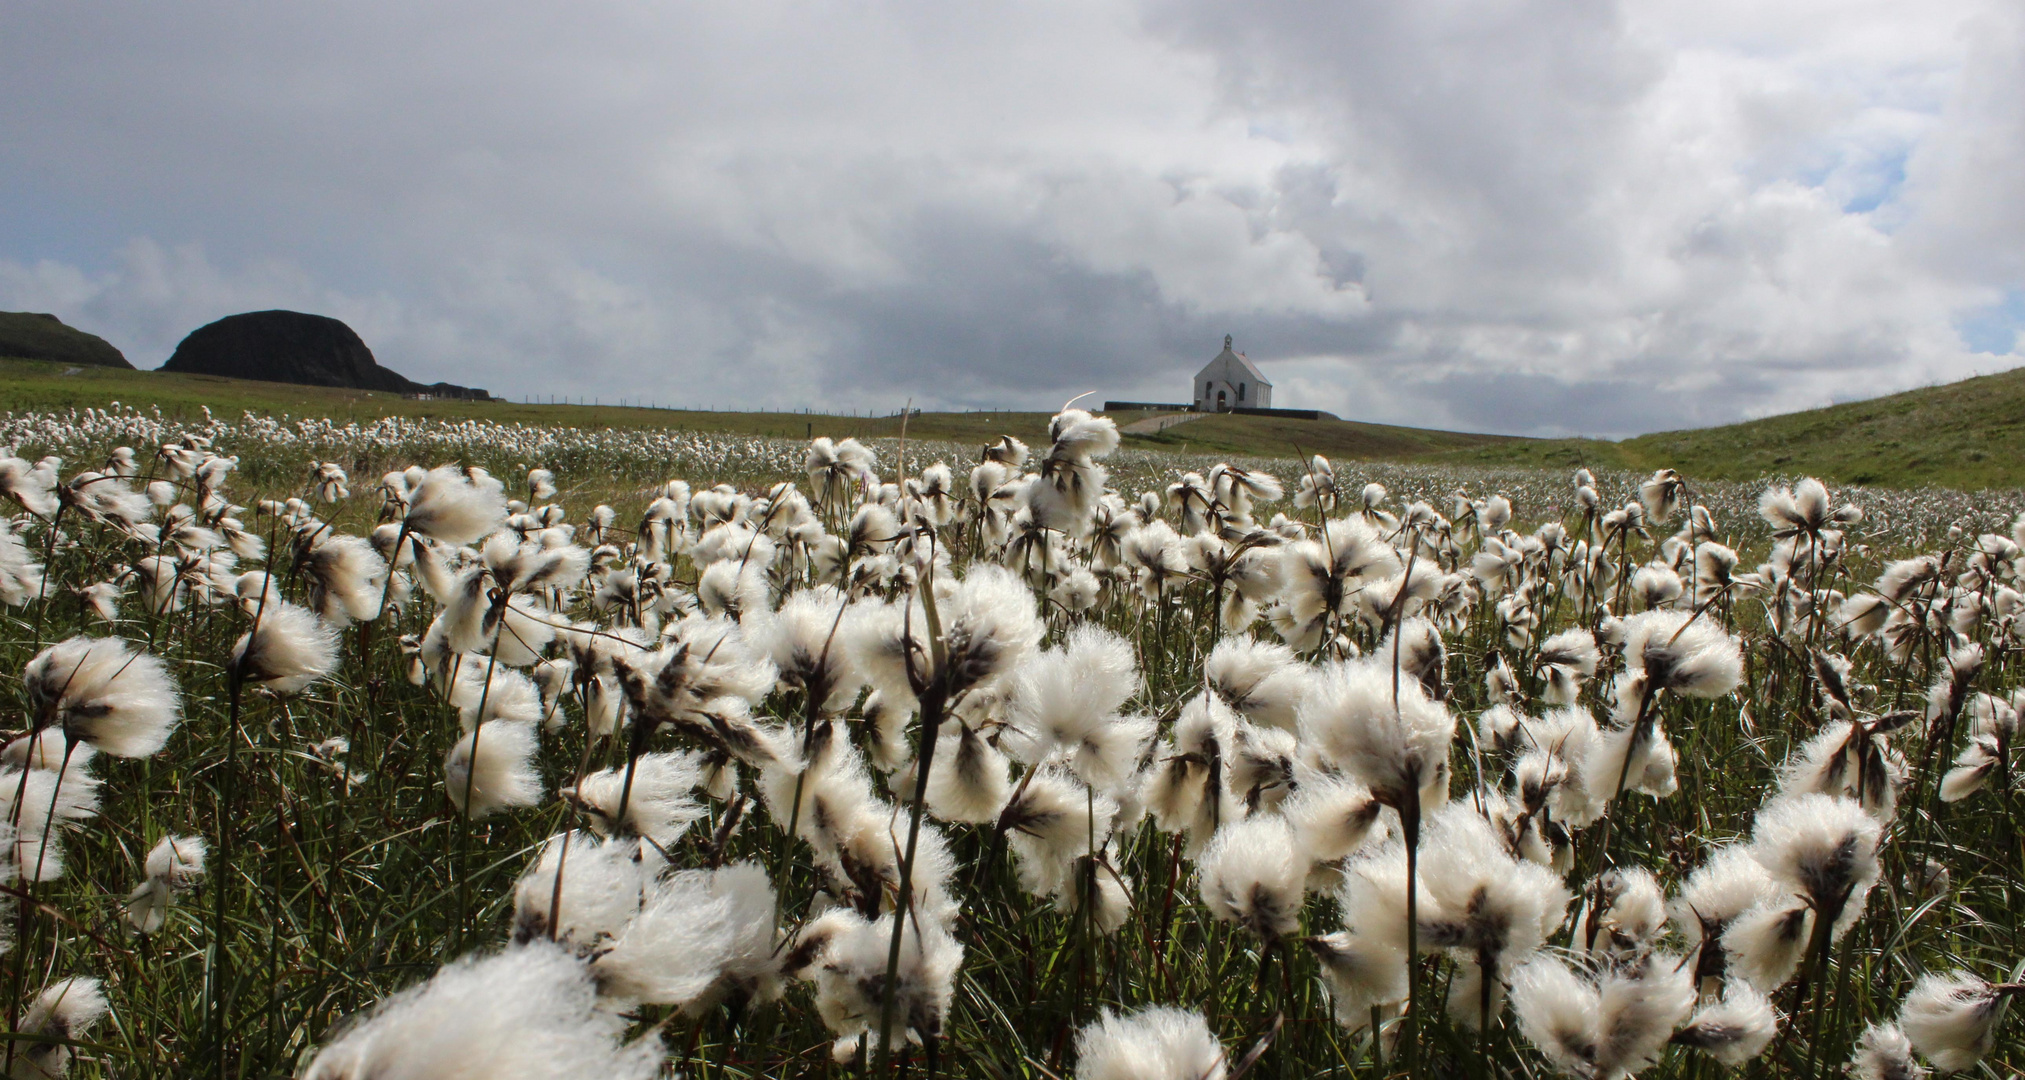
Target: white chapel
<point>1232,381</point>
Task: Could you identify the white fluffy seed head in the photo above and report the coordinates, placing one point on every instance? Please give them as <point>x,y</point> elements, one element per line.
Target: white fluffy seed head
<point>1598,1030</point>
<point>603,885</point>
<point>1395,742</point>
<point>65,1011</point>
<point>1065,704</point>
<point>455,506</point>
<point>50,749</point>
<point>1820,847</point>
<point>1361,973</point>
<point>105,692</point>
<point>173,866</point>
<point>1332,817</point>
<point>500,775</point>
<point>1263,681</point>
<point>288,649</point>
<point>1682,653</point>
<point>851,981</point>
<point>1484,902</point>
<point>989,624</point>
<point>1557,1012</point>
<point>657,799</point>
<point>805,640</point>
<point>1632,915</point>
<point>1643,1007</point>
<point>48,806</point>
<point>967,780</point>
<point>1735,1028</point>
<point>676,947</point>
<point>1951,1019</point>
<point>178,861</point>
<point>1153,1043</point>
<point>1884,1053</point>
<point>1253,875</point>
<point>1051,824</point>
<point>21,577</point>
<point>1764,945</point>
<point>346,577</point>
<point>483,691</point>
<point>1727,884</point>
<point>1566,661</point>
<point>529,1013</point>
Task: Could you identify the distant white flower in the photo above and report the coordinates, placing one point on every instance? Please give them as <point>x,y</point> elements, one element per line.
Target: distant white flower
<point>175,865</point>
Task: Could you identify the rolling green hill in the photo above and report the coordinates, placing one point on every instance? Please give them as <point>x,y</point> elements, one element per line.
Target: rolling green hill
<point>1966,435</point>
<point>46,337</point>
<point>28,385</point>
<point>1347,440</point>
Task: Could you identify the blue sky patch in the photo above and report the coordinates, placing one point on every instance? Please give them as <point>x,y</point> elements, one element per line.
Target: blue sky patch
<point>1994,329</point>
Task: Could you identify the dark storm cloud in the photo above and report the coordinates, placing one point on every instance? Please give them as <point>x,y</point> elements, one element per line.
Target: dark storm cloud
<point>1595,217</point>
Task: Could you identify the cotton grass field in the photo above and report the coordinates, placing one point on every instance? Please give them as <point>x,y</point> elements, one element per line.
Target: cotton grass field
<point>439,749</point>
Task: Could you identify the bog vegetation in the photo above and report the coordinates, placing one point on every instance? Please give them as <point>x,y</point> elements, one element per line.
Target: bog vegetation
<point>444,750</point>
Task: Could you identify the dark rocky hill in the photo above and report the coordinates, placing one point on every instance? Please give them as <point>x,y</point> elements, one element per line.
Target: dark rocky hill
<point>292,347</point>
<point>28,335</point>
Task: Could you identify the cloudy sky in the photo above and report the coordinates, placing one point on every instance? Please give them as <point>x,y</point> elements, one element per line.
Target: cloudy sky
<point>1563,216</point>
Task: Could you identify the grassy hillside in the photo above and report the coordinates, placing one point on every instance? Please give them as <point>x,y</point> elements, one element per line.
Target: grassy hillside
<point>1273,436</point>
<point>30,385</point>
<point>1967,435</point>
<point>45,337</point>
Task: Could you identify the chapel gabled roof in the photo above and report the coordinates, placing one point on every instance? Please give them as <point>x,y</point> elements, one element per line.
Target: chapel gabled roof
<point>1240,359</point>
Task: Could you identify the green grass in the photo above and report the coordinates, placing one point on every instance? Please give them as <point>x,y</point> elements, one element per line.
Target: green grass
<point>1967,435</point>
<point>30,385</point>
<point>1338,440</point>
